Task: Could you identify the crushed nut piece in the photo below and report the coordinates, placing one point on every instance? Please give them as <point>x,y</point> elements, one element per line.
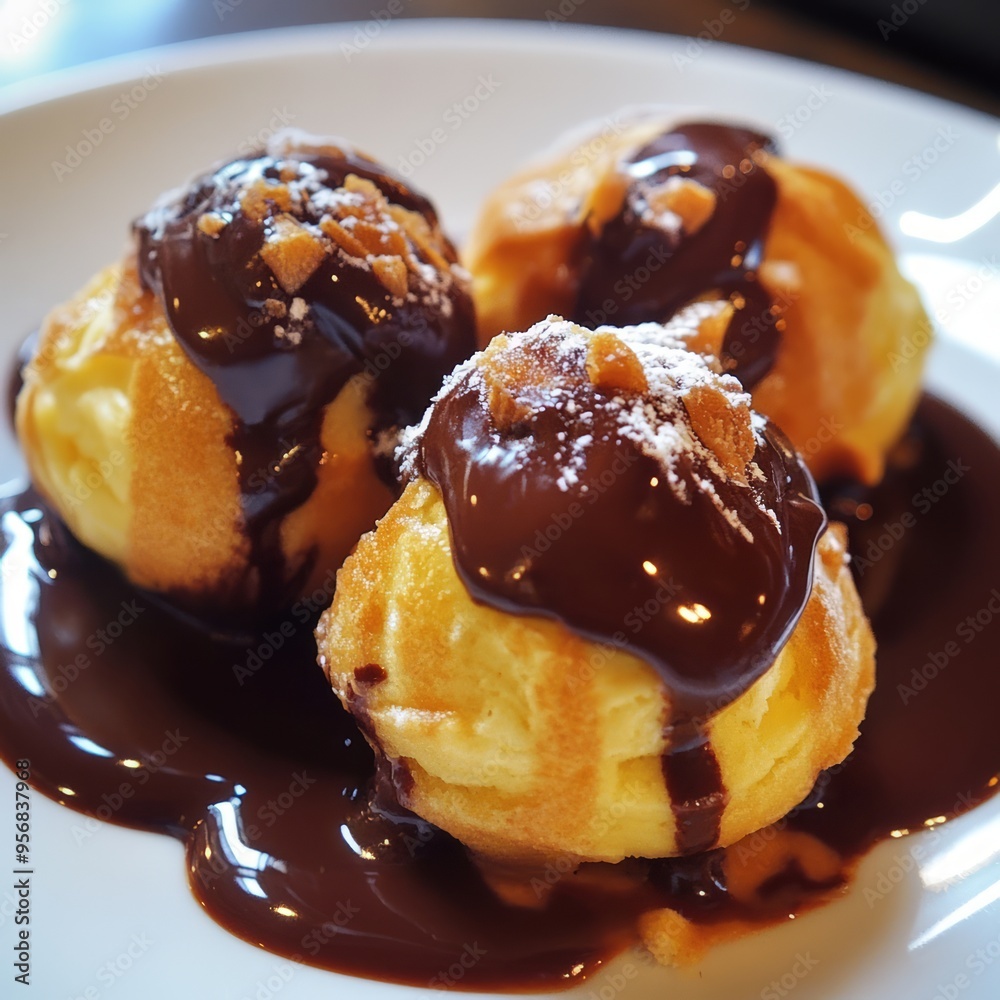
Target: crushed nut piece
<point>502,370</point>
<point>275,308</point>
<point>292,253</point>
<point>348,243</point>
<point>391,271</point>
<point>723,427</point>
<point>604,201</point>
<point>263,196</point>
<point>419,230</point>
<point>832,548</point>
<point>674,940</point>
<point>211,224</point>
<point>713,323</point>
<point>613,365</point>
<point>392,238</point>
<point>691,202</point>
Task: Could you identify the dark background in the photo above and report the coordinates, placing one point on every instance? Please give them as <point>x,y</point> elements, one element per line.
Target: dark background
<point>945,47</point>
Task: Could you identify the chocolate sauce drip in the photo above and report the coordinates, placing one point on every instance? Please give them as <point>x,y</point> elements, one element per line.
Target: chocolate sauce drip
<point>276,373</point>
<point>631,563</point>
<point>634,271</point>
<point>260,762</point>
<point>616,554</point>
<point>694,780</point>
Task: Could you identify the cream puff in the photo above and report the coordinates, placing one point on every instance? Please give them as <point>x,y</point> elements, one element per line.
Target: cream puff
<point>212,414</point>
<point>785,277</point>
<point>606,617</point>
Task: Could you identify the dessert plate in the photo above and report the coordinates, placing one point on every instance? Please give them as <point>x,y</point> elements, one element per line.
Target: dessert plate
<point>455,106</point>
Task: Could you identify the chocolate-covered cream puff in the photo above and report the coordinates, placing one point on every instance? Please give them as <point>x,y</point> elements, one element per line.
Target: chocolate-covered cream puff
<point>607,616</point>
<point>785,276</point>
<point>212,413</point>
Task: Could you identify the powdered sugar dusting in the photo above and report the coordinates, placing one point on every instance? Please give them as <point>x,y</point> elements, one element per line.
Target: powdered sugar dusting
<point>656,420</point>
<point>355,220</point>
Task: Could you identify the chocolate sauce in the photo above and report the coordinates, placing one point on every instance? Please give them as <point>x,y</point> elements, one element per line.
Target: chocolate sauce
<point>716,605</point>
<point>634,271</point>
<point>724,605</point>
<point>200,252</point>
<point>265,778</point>
<point>693,777</point>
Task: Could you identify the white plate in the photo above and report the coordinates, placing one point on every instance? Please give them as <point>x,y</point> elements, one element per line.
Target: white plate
<point>112,911</point>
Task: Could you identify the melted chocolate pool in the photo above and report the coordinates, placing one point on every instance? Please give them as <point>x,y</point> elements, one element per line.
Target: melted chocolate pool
<point>237,747</point>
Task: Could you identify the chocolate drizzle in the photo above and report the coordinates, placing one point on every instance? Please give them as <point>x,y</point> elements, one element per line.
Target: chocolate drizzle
<point>280,346</point>
<point>368,896</point>
<point>694,779</point>
<point>635,271</point>
<point>626,551</point>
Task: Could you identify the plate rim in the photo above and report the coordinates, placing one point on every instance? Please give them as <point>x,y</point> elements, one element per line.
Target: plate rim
<point>216,51</point>
<point>247,47</point>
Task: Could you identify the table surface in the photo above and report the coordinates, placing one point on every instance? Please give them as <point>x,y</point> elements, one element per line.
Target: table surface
<point>40,36</point>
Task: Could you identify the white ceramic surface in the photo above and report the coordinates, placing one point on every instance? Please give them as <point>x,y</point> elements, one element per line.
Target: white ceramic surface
<point>112,913</point>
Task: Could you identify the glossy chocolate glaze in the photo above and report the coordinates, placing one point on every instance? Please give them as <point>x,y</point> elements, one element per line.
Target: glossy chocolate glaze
<point>276,373</point>
<point>716,606</point>
<point>647,273</point>
<point>644,544</point>
<point>265,778</point>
